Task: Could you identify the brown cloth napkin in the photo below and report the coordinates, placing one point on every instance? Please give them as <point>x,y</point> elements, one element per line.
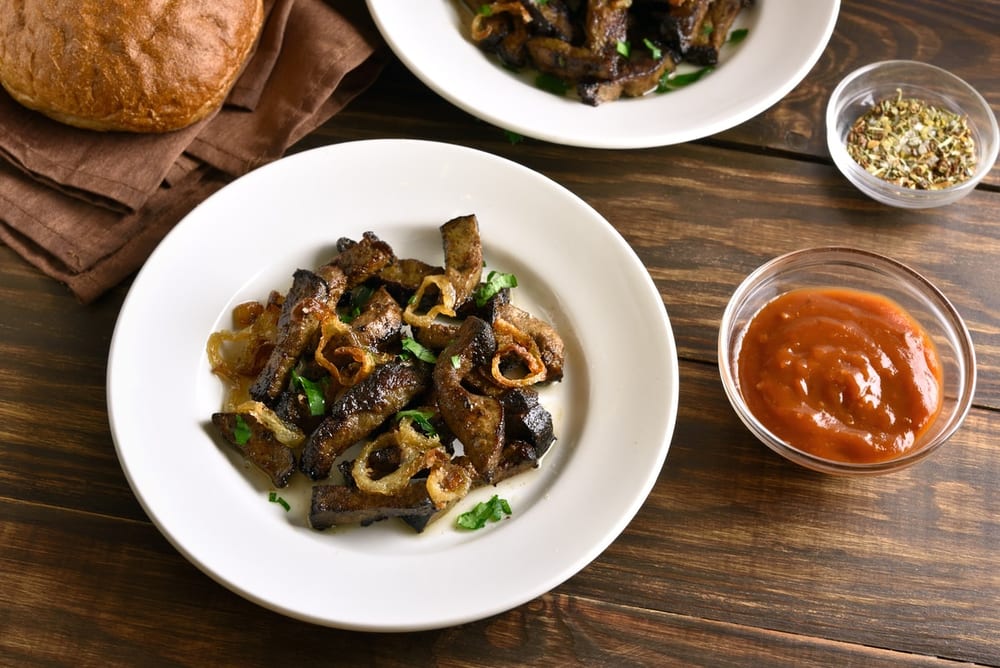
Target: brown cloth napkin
<point>87,208</point>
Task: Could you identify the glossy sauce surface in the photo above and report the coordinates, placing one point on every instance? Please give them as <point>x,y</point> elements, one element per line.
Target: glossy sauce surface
<point>843,374</point>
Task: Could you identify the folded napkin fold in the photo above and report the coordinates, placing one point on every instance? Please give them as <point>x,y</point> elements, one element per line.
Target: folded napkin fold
<point>87,208</point>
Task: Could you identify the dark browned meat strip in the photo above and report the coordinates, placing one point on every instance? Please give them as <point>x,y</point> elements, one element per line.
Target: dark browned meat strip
<point>361,410</point>
<point>605,25</point>
<point>638,76</point>
<point>436,336</point>
<point>307,301</point>
<point>463,255</point>
<point>377,326</point>
<point>335,505</point>
<point>573,63</point>
<point>262,449</point>
<point>312,296</point>
<point>697,29</point>
<point>502,33</point>
<point>404,276</point>
<point>380,321</point>
<point>476,420</point>
<point>359,260</point>
<point>550,344</point>
<point>526,420</point>
<point>551,19</point>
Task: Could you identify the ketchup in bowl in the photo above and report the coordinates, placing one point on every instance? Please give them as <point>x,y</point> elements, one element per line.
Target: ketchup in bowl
<point>840,373</point>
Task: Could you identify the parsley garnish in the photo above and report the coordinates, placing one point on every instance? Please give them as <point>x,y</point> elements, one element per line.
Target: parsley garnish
<point>421,418</point>
<point>274,498</point>
<point>623,48</point>
<point>456,361</point>
<point>654,50</point>
<point>495,282</point>
<point>241,431</point>
<point>359,297</point>
<point>418,351</point>
<point>513,137</point>
<point>313,391</point>
<point>552,84</point>
<point>671,81</point>
<point>493,510</point>
<point>737,36</point>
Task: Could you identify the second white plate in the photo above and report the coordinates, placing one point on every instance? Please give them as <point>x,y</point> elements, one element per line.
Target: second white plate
<point>785,39</point>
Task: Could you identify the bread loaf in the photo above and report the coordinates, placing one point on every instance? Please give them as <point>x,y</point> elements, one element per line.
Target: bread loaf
<point>132,65</point>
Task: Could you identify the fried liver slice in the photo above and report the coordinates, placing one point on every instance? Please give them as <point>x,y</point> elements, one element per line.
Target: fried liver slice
<point>360,411</point>
<point>475,419</point>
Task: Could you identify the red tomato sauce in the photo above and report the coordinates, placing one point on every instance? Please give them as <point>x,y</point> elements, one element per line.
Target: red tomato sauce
<point>843,374</point>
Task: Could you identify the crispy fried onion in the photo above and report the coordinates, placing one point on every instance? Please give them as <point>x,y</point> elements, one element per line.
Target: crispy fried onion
<point>516,349</point>
<point>237,356</point>
<point>447,481</point>
<point>481,28</point>
<point>348,363</point>
<point>285,433</point>
<point>445,305</point>
<point>413,453</point>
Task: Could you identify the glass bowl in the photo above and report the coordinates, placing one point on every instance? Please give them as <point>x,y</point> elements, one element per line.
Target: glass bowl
<point>862,270</point>
<point>864,88</point>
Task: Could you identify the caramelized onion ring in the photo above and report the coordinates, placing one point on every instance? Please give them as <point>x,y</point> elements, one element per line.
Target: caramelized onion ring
<point>536,370</point>
<point>512,342</point>
<point>237,356</point>
<point>414,448</point>
<point>480,27</point>
<point>332,328</point>
<point>285,433</point>
<point>445,305</point>
<point>447,481</point>
<point>349,364</point>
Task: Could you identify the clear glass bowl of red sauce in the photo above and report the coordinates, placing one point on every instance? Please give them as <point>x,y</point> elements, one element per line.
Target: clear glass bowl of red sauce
<point>846,361</point>
<point>939,96</point>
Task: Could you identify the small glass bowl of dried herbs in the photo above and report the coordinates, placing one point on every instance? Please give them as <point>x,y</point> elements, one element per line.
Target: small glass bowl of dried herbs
<point>910,134</point>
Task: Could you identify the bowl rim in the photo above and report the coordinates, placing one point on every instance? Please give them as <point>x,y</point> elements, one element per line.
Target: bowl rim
<point>823,255</point>
<point>915,197</point>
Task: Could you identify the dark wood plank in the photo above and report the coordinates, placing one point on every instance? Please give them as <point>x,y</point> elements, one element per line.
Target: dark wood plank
<point>54,432</point>
<point>82,589</point>
<point>732,531</point>
<point>702,217</point>
<point>960,37</point>
<point>737,557</point>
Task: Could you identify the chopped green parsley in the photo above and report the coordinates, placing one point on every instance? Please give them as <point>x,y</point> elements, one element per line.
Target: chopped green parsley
<point>418,351</point>
<point>495,282</point>
<point>313,391</point>
<point>421,418</point>
<point>241,431</point>
<point>493,510</point>
<point>274,498</point>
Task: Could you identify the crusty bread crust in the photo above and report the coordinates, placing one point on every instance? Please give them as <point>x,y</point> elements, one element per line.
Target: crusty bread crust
<point>132,65</point>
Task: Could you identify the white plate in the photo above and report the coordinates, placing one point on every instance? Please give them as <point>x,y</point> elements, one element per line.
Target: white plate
<point>785,39</point>
<point>614,412</point>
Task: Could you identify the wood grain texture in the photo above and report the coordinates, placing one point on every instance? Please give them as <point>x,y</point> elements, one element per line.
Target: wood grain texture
<point>736,550</point>
<point>736,558</point>
<point>732,531</point>
<point>960,37</point>
<point>702,216</point>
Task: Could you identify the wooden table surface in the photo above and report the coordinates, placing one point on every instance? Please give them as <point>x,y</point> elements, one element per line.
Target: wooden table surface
<point>737,557</point>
